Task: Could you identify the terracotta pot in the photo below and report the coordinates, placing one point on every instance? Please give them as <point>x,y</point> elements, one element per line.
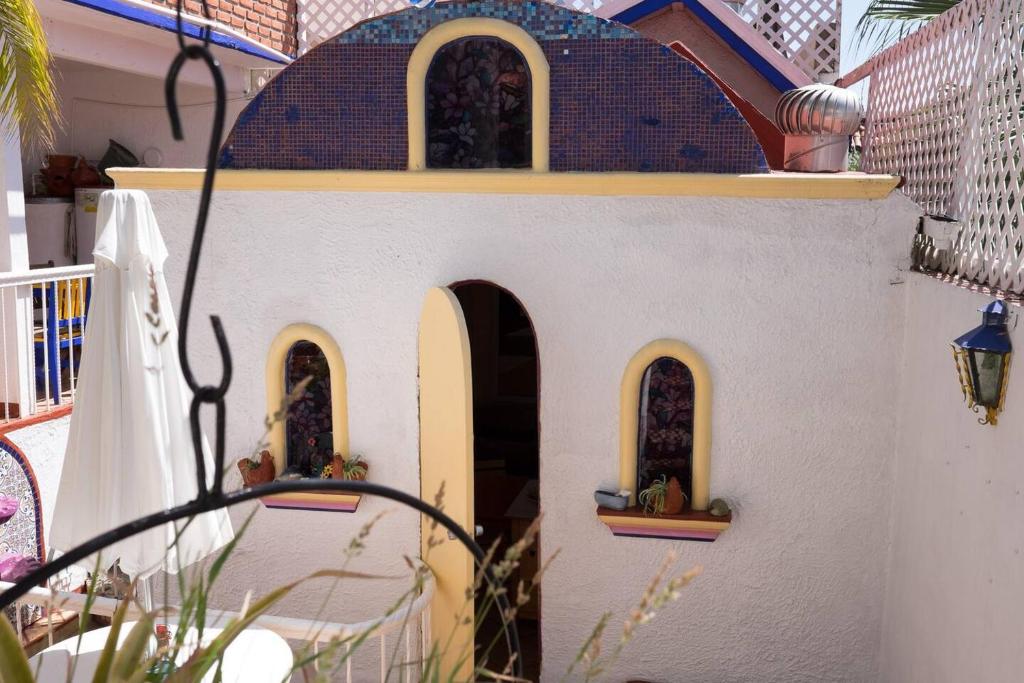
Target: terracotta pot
<point>61,162</point>
<point>58,175</point>
<point>336,469</point>
<point>85,175</point>
<point>674,498</point>
<point>254,474</point>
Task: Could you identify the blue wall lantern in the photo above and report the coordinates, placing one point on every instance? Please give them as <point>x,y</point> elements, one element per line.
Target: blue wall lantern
<point>983,360</point>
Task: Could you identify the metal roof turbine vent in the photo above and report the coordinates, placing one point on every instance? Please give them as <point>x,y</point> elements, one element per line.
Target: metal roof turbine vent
<point>817,121</point>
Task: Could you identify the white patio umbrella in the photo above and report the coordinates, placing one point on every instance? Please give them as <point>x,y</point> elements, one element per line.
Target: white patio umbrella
<point>129,451</point>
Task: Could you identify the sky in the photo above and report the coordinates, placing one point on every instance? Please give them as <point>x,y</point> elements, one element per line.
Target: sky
<point>850,58</point>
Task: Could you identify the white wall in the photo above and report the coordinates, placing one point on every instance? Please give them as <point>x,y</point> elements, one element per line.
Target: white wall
<point>98,104</point>
<point>43,445</point>
<point>789,301</point>
<point>956,570</point>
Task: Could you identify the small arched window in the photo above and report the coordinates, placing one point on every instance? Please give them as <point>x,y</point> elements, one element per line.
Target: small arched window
<point>478,96</point>
<point>315,425</point>
<point>665,421</point>
<point>665,425</point>
<point>309,429</point>
<point>478,106</point>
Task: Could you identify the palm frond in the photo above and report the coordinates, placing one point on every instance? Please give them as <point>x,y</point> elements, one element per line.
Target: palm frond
<point>27,94</point>
<point>886,22</point>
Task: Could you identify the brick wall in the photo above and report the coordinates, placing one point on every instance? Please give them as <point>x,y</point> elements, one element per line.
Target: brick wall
<point>271,22</point>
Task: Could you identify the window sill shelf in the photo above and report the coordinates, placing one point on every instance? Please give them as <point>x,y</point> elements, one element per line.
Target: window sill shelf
<point>686,526</point>
<point>313,500</point>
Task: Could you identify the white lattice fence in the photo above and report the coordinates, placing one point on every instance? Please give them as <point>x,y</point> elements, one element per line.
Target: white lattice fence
<point>321,19</point>
<point>806,32</point>
<point>945,111</point>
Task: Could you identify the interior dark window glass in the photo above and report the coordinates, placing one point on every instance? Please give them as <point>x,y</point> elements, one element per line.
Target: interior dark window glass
<point>478,106</point>
<point>308,428</point>
<point>666,424</point>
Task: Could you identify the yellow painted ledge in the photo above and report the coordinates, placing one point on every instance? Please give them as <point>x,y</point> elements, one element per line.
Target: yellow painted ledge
<point>690,525</point>
<point>763,185</point>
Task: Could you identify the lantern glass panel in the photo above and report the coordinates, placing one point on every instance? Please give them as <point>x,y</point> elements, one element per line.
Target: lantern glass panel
<point>988,376</point>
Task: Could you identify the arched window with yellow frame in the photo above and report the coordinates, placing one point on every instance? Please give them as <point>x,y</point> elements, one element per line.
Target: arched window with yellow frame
<point>665,421</point>
<point>306,400</point>
<point>478,96</point>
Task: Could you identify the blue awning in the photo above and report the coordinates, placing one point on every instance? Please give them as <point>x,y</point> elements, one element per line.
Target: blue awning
<point>168,23</point>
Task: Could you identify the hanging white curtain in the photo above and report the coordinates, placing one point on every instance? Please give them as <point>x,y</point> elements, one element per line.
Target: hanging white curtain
<point>129,451</point>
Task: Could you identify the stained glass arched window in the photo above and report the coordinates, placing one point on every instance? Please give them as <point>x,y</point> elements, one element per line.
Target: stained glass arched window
<point>665,434</point>
<point>308,427</point>
<point>478,106</point>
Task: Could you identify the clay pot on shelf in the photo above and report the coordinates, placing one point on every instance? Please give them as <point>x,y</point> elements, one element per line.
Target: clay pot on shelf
<point>255,473</point>
<point>85,175</point>
<point>57,175</point>
<point>675,499</point>
<point>338,468</point>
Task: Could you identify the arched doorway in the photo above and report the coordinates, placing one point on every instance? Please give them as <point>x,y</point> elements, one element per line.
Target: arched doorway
<point>479,400</point>
<point>506,463</point>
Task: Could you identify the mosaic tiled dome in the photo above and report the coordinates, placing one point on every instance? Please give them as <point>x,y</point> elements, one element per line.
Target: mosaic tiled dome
<point>618,101</point>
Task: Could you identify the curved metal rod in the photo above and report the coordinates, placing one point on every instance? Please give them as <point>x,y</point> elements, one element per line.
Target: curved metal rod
<point>181,29</point>
<point>216,502</point>
<point>199,52</point>
<point>201,394</point>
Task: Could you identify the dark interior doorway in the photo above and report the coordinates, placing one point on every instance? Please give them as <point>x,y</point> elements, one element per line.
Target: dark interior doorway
<point>506,444</point>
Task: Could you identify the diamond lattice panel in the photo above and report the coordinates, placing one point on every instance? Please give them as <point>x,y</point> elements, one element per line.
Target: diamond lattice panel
<point>946,113</point>
<point>806,32</point>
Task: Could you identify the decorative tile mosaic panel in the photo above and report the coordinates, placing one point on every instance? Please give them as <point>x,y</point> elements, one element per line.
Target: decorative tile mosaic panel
<point>666,424</point>
<point>23,534</point>
<point>308,429</point>
<point>619,102</point>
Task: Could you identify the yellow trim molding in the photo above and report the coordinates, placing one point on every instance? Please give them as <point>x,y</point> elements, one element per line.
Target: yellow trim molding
<point>276,358</point>
<point>446,463</point>
<point>439,36</point>
<point>661,522</point>
<point>629,417</point>
<point>751,186</point>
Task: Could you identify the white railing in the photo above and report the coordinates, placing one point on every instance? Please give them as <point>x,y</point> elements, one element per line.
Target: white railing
<point>403,637</point>
<point>806,32</point>
<point>946,112</point>
<point>43,315</point>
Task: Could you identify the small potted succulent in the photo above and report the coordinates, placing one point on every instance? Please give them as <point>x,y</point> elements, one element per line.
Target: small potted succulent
<point>352,468</point>
<point>663,497</point>
<point>257,472</point>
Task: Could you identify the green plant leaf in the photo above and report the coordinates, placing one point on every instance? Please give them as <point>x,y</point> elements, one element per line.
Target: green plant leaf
<point>203,658</point>
<point>131,655</point>
<point>27,93</point>
<point>102,673</point>
<point>14,666</point>
<point>886,22</point>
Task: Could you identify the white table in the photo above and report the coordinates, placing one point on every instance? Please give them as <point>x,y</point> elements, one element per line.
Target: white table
<point>256,655</point>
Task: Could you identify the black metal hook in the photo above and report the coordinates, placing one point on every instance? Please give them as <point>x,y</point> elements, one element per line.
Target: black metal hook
<point>181,29</point>
<point>201,394</point>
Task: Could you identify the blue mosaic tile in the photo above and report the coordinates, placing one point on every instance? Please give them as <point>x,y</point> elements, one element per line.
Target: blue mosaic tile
<point>542,20</point>
<point>619,102</point>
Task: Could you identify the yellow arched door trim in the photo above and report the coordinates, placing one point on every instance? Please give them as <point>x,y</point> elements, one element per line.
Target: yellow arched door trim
<point>629,416</point>
<point>439,36</point>
<point>446,461</point>
<point>276,359</point>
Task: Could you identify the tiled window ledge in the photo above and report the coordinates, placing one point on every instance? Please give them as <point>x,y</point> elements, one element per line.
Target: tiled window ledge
<point>325,501</point>
<point>686,526</point>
